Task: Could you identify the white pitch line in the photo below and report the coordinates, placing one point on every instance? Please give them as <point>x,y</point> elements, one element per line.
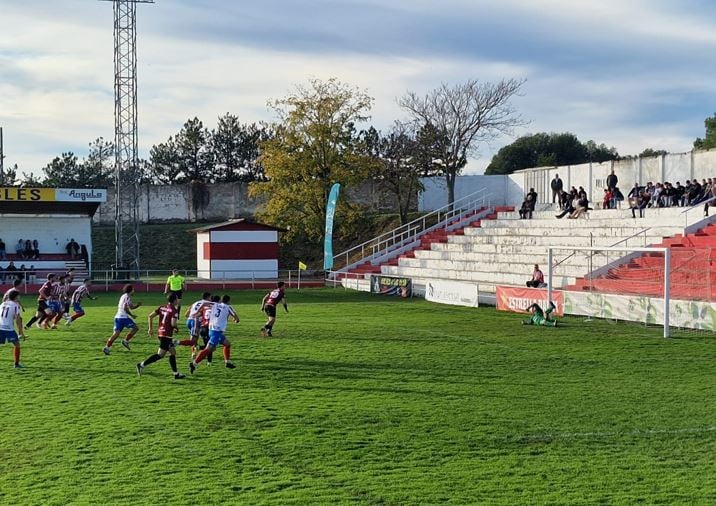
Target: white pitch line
<point>635,432</point>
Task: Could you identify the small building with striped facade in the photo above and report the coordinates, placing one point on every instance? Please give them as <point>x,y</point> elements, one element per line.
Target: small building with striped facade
<point>237,249</point>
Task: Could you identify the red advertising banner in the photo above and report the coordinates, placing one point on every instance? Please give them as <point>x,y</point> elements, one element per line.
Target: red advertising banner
<point>510,298</point>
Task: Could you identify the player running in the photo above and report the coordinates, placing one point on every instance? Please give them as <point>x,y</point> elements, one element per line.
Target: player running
<point>167,325</point>
<point>539,317</point>
<point>80,293</point>
<point>10,320</point>
<point>43,297</point>
<point>218,322</point>
<point>176,285</point>
<point>268,305</point>
<point>59,302</point>
<point>16,284</point>
<point>193,319</point>
<point>124,319</point>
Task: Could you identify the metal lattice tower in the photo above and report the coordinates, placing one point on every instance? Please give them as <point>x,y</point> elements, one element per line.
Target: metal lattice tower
<point>127,171</point>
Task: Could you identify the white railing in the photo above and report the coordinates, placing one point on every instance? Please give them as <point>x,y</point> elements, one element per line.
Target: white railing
<point>409,233</point>
<point>700,205</point>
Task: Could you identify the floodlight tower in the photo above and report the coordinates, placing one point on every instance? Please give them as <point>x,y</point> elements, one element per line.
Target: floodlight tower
<point>126,169</point>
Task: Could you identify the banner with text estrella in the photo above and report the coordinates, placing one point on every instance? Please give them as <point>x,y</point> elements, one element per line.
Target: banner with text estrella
<point>515,299</point>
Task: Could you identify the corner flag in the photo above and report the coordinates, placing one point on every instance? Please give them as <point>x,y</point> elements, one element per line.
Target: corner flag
<point>302,266</point>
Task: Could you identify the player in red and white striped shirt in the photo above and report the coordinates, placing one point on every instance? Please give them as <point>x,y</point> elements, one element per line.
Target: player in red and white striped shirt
<point>80,293</point>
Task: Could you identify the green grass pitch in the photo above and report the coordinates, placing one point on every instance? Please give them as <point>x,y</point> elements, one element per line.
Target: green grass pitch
<point>365,400</point>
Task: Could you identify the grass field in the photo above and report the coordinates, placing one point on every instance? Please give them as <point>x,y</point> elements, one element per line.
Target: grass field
<point>364,400</point>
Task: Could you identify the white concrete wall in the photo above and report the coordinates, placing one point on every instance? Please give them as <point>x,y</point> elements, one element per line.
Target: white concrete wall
<point>435,193</point>
<point>203,266</point>
<point>52,233</point>
<point>244,269</point>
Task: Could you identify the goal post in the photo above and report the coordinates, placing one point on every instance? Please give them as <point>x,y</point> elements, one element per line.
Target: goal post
<point>619,283</point>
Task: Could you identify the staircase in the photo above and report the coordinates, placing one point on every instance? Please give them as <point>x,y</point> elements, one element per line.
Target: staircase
<point>359,262</point>
<point>80,268</point>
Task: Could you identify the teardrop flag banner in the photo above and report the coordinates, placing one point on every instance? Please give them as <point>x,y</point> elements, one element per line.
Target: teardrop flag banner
<point>330,213</point>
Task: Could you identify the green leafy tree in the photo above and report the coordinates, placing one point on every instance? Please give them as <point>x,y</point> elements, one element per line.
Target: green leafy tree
<point>547,150</point>
<point>315,144</point>
<point>236,149</point>
<point>62,171</point>
<point>709,139</point>
<point>195,158</point>
<point>165,162</point>
<point>465,116</point>
<point>10,176</point>
<point>649,152</point>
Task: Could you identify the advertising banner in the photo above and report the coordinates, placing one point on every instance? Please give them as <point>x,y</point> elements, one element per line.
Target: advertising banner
<point>515,299</point>
<point>452,292</point>
<point>330,213</point>
<point>389,285</point>
<point>14,194</point>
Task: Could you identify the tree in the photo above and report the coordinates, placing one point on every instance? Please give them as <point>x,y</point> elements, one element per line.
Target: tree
<point>10,176</point>
<point>547,150</point>
<point>235,148</point>
<point>402,156</point>
<point>165,162</point>
<point>192,145</point>
<point>315,145</point>
<point>62,171</point>
<point>709,140</point>
<point>97,170</point>
<point>649,152</point>
<point>465,115</point>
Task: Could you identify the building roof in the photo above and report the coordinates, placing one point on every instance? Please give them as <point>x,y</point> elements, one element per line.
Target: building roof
<point>240,224</point>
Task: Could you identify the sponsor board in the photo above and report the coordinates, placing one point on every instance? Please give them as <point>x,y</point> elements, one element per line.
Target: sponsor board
<point>14,194</point>
<point>451,292</point>
<point>390,285</point>
<point>510,298</point>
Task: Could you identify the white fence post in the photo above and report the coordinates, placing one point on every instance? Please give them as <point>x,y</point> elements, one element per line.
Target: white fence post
<point>667,290</point>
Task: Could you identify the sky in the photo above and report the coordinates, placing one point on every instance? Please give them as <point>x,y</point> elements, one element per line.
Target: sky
<point>628,73</point>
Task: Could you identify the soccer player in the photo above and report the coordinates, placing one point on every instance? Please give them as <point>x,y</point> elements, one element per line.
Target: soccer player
<point>167,324</point>
<point>218,322</point>
<point>42,308</point>
<point>176,285</point>
<point>539,317</point>
<point>80,293</point>
<point>269,303</point>
<point>16,284</point>
<point>59,302</point>
<point>124,319</point>
<point>193,319</point>
<point>10,320</point>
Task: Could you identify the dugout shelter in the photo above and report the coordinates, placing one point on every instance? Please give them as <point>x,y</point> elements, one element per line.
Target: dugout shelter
<point>52,217</point>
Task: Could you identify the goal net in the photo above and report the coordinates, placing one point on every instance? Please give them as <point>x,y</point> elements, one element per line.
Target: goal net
<point>613,283</point>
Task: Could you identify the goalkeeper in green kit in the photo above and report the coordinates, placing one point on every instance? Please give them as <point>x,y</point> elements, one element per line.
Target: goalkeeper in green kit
<point>539,317</point>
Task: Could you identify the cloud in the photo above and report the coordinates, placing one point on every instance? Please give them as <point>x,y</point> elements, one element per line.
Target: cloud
<point>628,73</point>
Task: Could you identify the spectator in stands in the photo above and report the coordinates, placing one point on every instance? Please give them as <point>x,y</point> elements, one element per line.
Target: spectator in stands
<point>617,198</point>
<point>31,274</point>
<point>656,195</point>
<point>11,271</point>
<point>694,193</point>
<point>73,249</point>
<point>581,208</point>
<point>568,206</point>
<point>581,194</point>
<point>527,207</point>
<point>711,195</point>
<point>27,252</point>
<point>633,195</point>
<point>3,253</point>
<point>537,278</point>
<point>557,186</point>
<point>612,181</point>
<point>85,255</point>
<point>22,273</point>
<point>607,201</point>
<point>35,250</point>
<point>641,203</point>
<point>19,247</point>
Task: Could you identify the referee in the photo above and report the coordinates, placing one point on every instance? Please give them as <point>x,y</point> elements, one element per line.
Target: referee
<point>175,285</point>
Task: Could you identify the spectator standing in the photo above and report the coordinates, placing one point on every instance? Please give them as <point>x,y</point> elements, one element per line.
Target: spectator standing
<point>537,278</point>
<point>557,186</point>
<point>19,247</point>
<point>607,201</point>
<point>612,180</point>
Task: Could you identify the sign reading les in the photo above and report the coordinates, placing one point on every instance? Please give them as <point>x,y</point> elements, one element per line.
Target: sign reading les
<point>517,300</point>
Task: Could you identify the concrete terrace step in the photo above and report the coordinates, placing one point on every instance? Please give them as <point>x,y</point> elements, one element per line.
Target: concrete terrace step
<point>507,265</point>
<point>606,231</point>
<point>492,277</point>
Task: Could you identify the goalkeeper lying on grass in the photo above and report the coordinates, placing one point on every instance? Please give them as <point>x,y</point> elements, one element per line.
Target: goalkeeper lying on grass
<point>540,317</point>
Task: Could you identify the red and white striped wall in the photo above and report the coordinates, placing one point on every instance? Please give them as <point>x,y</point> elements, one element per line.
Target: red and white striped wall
<point>237,250</point>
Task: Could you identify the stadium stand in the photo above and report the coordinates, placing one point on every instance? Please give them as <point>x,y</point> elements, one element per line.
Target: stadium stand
<point>503,250</point>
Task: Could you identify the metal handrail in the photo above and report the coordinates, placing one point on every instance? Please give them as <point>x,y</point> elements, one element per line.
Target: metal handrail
<point>409,232</point>
<point>610,246</point>
<point>695,206</point>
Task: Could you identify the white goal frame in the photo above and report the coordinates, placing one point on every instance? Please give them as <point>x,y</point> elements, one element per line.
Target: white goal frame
<point>667,270</point>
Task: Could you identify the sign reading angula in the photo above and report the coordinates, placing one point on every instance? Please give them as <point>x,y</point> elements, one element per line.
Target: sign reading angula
<point>452,292</point>
<point>515,299</point>
<point>14,194</point>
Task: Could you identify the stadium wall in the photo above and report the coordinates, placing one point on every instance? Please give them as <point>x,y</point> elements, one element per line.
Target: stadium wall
<point>510,190</point>
<point>52,232</point>
<point>219,202</point>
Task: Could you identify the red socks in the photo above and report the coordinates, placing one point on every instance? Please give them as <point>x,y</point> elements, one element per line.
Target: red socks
<point>187,342</point>
<point>202,355</point>
<point>16,354</point>
<point>77,315</point>
<point>227,353</point>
